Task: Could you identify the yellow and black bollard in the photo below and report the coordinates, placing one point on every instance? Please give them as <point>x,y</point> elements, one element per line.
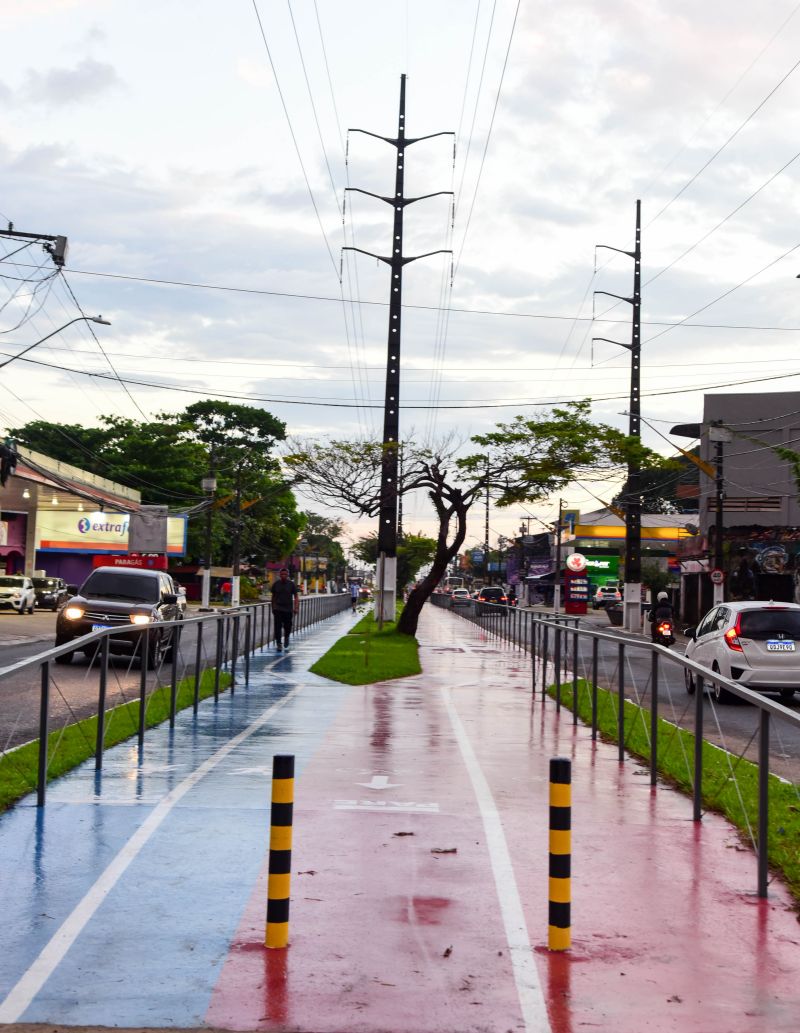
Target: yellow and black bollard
<point>280,851</point>
<point>559,919</point>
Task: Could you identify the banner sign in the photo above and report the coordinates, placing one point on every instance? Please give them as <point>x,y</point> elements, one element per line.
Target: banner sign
<point>68,531</point>
<point>132,559</point>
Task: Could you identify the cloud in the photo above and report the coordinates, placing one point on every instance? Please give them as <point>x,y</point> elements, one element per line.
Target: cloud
<point>62,86</point>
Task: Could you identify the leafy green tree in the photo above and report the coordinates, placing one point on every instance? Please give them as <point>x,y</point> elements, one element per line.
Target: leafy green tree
<point>526,460</point>
<point>320,535</point>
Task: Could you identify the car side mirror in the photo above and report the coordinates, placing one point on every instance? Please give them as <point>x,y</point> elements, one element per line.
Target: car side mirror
<point>72,589</point>
<point>689,632</point>
<point>169,598</point>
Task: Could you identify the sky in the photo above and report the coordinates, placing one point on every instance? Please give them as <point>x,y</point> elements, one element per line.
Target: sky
<point>194,155</point>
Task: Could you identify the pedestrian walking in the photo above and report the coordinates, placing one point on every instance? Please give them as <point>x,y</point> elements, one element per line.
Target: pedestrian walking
<point>285,604</point>
<point>354,590</point>
<point>226,592</point>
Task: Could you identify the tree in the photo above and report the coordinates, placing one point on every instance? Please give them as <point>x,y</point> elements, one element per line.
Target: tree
<point>525,460</point>
<point>167,459</point>
<point>414,551</point>
<point>320,534</point>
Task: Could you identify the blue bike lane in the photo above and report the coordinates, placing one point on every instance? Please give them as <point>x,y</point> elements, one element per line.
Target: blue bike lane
<point>149,863</point>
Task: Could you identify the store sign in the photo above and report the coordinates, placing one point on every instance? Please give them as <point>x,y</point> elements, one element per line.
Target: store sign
<point>133,559</point>
<point>68,531</point>
<point>576,563</point>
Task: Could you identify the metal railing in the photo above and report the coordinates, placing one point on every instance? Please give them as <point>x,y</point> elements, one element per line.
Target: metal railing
<point>225,642</point>
<point>559,647</point>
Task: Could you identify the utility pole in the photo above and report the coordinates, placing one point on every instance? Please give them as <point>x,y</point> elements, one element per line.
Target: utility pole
<point>237,539</point>
<point>400,499</point>
<point>387,520</point>
<point>719,435</point>
<point>57,247</point>
<point>557,579</point>
<point>209,485</point>
<point>633,500</point>
<point>487,572</point>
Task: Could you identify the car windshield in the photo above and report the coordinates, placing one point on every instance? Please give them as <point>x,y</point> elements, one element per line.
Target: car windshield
<point>113,585</point>
<point>762,624</point>
<point>44,582</point>
<point>10,582</point>
<point>492,593</point>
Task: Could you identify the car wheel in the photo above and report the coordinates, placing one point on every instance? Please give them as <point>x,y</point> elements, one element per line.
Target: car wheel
<point>787,695</point>
<point>689,681</point>
<point>723,696</point>
<point>65,658</point>
<point>156,653</point>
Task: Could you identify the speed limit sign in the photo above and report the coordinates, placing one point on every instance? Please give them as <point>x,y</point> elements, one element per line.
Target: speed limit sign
<point>717,576</point>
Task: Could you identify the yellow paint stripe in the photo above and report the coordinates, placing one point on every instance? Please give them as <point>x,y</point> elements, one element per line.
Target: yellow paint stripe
<point>277,934</point>
<point>560,794</point>
<point>280,837</point>
<point>283,790</point>
<point>560,842</point>
<point>278,886</point>
<point>559,890</point>
<point>558,939</point>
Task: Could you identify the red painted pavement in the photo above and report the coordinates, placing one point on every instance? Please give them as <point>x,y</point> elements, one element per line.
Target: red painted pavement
<point>389,934</point>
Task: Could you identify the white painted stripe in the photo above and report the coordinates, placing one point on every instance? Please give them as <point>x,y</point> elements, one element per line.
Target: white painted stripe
<point>526,976</point>
<point>29,985</point>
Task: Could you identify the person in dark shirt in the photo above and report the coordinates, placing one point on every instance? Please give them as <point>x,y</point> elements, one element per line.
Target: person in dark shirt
<point>285,604</point>
<point>661,611</point>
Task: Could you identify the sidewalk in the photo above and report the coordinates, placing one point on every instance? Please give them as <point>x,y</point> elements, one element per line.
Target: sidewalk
<point>419,871</point>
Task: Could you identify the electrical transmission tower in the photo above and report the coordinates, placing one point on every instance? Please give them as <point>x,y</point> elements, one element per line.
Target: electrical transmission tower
<point>387,526</point>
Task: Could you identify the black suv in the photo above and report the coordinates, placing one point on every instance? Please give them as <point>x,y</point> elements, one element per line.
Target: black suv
<point>145,601</point>
<point>492,600</point>
<point>51,592</point>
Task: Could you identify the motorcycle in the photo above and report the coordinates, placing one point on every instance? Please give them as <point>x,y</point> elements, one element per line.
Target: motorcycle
<point>664,632</point>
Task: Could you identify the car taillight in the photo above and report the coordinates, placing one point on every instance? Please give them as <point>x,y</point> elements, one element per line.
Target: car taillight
<point>665,628</point>
<point>731,637</point>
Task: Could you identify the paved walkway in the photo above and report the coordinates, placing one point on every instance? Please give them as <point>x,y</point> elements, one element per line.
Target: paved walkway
<point>419,875</point>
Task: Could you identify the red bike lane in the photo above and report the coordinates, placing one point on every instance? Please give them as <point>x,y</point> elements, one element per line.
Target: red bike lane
<point>419,894</point>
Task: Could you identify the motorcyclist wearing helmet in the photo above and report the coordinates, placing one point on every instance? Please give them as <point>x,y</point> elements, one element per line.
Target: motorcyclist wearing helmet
<point>661,611</point>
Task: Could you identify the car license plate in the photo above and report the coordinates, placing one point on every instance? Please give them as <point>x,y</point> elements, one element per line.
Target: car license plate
<point>776,646</point>
<point>105,627</point>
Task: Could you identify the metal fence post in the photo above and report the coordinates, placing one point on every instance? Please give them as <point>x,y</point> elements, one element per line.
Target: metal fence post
<point>575,675</point>
<point>546,630</point>
<point>101,704</point>
<point>697,790</point>
<point>621,701</point>
<point>218,659</point>
<point>247,648</point>
<point>763,802</point>
<point>557,655</point>
<point>44,710</point>
<point>595,646</point>
<point>654,718</point>
<point>198,672</point>
<point>144,647</point>
<point>173,674</point>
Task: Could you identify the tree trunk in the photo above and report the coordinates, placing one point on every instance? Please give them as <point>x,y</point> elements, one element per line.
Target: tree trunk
<point>409,618</point>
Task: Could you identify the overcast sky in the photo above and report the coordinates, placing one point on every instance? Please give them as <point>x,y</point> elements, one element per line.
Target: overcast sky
<point>168,141</point>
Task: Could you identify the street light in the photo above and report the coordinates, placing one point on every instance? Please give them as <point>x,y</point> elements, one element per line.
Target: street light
<point>77,319</point>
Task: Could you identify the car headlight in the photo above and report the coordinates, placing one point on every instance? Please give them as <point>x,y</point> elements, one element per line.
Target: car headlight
<point>73,613</point>
<point>141,618</point>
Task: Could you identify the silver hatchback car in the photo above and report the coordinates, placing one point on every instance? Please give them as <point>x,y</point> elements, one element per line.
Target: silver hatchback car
<point>756,644</point>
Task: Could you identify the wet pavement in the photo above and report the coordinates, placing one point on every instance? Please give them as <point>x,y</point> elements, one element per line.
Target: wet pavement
<point>419,873</point>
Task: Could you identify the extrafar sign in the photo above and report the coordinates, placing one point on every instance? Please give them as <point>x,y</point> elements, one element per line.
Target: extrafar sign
<point>68,531</point>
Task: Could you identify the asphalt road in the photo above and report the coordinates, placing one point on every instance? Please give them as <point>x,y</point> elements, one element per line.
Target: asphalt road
<point>73,687</point>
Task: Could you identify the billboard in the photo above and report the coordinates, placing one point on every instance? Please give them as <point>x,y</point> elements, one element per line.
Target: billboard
<point>68,531</point>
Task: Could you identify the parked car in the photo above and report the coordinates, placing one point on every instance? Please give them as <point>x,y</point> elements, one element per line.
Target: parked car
<point>606,595</point>
<point>460,597</point>
<point>122,597</point>
<point>17,593</point>
<point>51,592</point>
<point>752,643</point>
<point>492,600</point>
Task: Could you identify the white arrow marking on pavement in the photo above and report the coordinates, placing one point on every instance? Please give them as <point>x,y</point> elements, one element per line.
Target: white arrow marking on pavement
<point>379,782</point>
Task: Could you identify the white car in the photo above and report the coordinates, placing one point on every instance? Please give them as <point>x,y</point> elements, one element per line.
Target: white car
<point>17,593</point>
<point>460,597</point>
<point>756,644</point>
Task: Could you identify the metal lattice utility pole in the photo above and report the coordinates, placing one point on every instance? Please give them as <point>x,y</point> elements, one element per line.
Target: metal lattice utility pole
<point>633,499</point>
<point>387,519</point>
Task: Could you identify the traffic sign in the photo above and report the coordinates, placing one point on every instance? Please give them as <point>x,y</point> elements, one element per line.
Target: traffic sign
<point>717,576</point>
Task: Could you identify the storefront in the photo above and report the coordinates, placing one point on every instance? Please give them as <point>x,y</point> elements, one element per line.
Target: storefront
<point>67,542</point>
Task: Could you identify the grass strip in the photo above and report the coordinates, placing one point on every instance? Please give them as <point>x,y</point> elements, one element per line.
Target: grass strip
<point>74,743</point>
<point>365,655</point>
<point>729,784</point>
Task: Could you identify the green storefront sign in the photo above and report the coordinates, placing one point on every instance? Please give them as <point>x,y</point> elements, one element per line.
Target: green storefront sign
<point>602,568</point>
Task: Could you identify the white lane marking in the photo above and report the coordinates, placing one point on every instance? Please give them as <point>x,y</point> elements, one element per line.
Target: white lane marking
<point>380,782</point>
<point>386,806</point>
<point>526,976</point>
<point>32,981</point>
